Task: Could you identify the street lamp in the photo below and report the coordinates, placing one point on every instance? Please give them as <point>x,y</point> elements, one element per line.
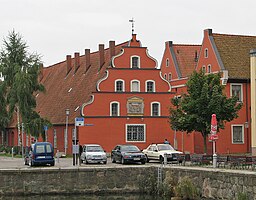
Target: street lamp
<point>66,132</point>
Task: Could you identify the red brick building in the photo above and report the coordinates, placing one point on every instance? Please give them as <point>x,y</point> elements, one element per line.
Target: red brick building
<point>228,54</point>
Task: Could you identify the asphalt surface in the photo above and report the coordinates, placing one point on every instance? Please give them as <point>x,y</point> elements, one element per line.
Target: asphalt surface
<point>18,163</point>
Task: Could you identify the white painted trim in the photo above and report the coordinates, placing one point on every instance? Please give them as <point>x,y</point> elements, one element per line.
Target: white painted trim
<point>233,125</point>
<point>152,58</point>
<point>135,56</point>
<point>159,108</point>
<point>179,86</point>
<point>114,57</point>
<point>154,86</point>
<point>231,84</point>
<point>118,108</point>
<point>126,127</point>
<point>134,80</point>
<point>178,79</point>
<point>103,79</point>
<point>170,87</point>
<point>87,103</point>
<point>123,84</point>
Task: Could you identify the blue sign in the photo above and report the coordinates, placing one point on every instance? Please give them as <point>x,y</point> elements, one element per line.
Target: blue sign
<point>79,121</point>
<point>45,127</point>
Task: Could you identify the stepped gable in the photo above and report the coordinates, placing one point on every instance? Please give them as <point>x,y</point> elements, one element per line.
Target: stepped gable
<point>234,52</point>
<point>70,83</point>
<point>187,56</point>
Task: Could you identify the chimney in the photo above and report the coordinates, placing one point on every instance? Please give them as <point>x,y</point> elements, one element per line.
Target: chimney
<point>207,32</point>
<point>112,49</point>
<point>168,44</point>
<point>101,54</point>
<point>68,63</point>
<point>87,59</point>
<point>77,61</point>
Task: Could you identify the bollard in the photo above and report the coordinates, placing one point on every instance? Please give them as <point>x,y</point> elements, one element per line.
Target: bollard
<point>58,156</point>
<point>214,160</point>
<point>12,152</point>
<point>165,159</point>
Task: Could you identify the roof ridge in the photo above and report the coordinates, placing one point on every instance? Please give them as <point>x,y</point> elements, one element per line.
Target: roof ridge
<point>226,34</point>
<point>187,45</point>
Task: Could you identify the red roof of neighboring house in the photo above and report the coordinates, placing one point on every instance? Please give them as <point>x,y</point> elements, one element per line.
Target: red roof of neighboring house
<point>186,56</point>
<point>70,90</point>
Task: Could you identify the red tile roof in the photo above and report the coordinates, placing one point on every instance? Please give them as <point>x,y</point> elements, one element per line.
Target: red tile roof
<point>234,52</point>
<point>72,90</point>
<point>186,56</point>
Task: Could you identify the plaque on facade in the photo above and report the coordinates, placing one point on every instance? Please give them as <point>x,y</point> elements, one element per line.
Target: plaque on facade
<point>135,106</point>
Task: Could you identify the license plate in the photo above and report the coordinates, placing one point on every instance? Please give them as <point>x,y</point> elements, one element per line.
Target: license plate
<point>40,156</point>
<point>136,159</point>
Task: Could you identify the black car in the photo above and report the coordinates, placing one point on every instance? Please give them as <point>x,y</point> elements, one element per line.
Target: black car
<point>127,153</point>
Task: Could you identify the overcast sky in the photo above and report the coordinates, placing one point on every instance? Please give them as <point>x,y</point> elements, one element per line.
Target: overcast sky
<point>56,28</point>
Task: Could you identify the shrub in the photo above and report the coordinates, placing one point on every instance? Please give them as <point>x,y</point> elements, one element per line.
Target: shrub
<point>186,189</point>
<point>242,196</point>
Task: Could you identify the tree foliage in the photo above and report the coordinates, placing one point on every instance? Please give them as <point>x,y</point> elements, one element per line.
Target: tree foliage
<point>193,111</point>
<point>20,70</point>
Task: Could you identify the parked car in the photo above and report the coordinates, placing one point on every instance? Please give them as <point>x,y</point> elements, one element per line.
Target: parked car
<point>157,151</point>
<point>127,153</point>
<point>93,153</point>
<point>41,153</point>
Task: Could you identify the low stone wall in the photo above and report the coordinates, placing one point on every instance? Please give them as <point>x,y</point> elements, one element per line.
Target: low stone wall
<point>213,183</point>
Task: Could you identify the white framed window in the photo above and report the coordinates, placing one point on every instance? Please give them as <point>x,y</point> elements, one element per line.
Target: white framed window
<point>167,62</point>
<point>206,53</point>
<point>135,132</point>
<point>135,62</point>
<point>237,90</point>
<point>204,69</point>
<point>119,85</point>
<point>169,77</point>
<point>165,76</point>
<point>135,86</point>
<point>209,69</point>
<point>114,108</point>
<point>155,109</point>
<point>150,86</point>
<point>237,134</point>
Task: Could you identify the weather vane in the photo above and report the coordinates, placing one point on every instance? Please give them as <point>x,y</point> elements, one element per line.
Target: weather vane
<point>132,21</point>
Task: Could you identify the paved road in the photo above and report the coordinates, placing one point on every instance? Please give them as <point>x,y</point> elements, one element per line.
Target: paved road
<point>18,163</point>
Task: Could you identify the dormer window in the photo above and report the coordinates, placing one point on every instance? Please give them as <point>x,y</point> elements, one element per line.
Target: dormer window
<point>206,53</point>
<point>209,69</point>
<point>169,77</point>
<point>135,62</point>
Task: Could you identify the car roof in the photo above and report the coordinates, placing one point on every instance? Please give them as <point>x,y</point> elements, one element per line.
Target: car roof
<point>91,145</point>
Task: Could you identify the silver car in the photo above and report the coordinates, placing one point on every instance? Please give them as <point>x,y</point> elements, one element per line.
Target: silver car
<point>93,153</point>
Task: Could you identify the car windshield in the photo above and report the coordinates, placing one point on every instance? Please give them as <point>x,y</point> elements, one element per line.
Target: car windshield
<point>130,149</point>
<point>94,149</point>
<point>164,147</point>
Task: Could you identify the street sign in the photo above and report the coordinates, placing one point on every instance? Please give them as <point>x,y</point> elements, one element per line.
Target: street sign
<point>45,127</point>
<point>79,121</point>
<point>213,137</point>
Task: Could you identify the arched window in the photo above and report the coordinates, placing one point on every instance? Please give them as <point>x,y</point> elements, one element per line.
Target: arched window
<point>150,86</point>
<point>119,86</point>
<point>209,69</point>
<point>135,86</point>
<point>206,53</point>
<point>165,76</point>
<point>135,62</point>
<point>114,108</point>
<point>204,69</point>
<point>167,62</point>
<point>155,109</point>
<point>170,77</point>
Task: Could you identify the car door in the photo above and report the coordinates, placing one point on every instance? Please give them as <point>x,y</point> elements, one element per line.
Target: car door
<point>150,153</point>
<point>155,154</point>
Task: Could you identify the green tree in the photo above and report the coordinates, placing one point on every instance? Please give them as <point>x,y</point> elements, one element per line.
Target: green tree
<point>204,97</point>
<point>20,70</point>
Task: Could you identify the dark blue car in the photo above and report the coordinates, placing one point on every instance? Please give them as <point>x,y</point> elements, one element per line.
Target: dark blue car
<point>41,153</point>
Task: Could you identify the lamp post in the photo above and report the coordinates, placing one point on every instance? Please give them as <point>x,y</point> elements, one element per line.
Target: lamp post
<point>66,132</point>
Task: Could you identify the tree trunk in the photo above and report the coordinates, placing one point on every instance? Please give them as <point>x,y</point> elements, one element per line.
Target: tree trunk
<point>205,143</point>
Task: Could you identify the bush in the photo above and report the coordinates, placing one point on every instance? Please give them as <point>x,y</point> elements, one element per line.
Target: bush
<point>242,196</point>
<point>186,189</point>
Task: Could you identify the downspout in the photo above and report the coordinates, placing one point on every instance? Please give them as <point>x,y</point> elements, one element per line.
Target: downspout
<point>247,118</point>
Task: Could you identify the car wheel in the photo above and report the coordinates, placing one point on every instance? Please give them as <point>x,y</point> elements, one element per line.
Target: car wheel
<point>30,163</point>
<point>52,164</point>
<point>123,161</point>
<point>161,159</point>
<point>143,162</point>
<point>105,162</point>
<point>113,159</point>
<point>86,162</point>
<point>147,160</point>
